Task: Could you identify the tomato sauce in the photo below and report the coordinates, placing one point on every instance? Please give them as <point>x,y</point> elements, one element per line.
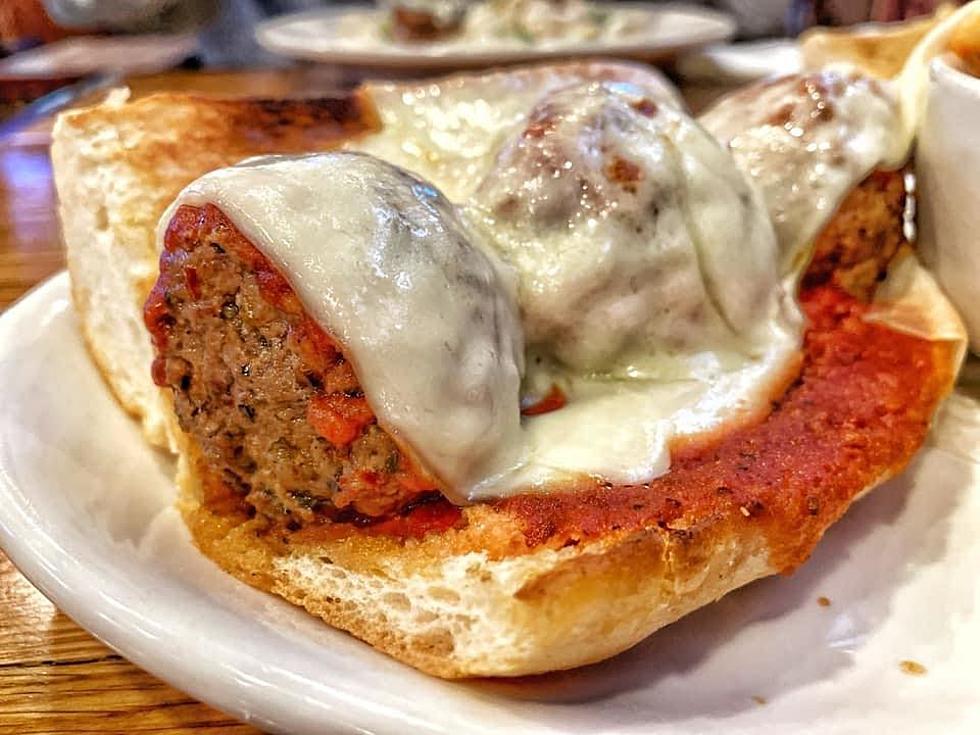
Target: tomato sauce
<point>339,412</point>
<point>858,411</point>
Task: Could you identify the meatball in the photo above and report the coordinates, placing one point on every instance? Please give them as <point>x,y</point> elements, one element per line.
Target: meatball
<point>631,230</point>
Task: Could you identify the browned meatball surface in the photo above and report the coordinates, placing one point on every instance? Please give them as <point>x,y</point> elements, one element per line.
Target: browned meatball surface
<point>271,403</point>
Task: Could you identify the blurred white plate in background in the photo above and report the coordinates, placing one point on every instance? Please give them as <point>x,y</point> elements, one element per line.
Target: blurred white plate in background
<point>320,35</point>
<point>740,63</point>
<point>86,514</point>
<point>142,54</point>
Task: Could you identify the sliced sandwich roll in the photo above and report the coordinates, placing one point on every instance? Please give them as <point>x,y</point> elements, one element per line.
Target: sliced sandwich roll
<point>492,428</point>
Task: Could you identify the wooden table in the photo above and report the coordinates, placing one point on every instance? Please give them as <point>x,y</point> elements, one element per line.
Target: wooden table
<point>55,677</point>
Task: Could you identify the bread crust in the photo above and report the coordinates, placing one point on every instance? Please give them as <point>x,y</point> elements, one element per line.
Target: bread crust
<point>877,49</point>
<point>465,614</point>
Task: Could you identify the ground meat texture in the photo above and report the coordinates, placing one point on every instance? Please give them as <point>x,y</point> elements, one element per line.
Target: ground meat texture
<point>856,246</point>
<point>273,407</point>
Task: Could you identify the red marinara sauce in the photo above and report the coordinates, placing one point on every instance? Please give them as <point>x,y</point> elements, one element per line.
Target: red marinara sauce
<point>858,411</point>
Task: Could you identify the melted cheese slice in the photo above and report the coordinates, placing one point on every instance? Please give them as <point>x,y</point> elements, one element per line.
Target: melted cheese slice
<point>806,141</point>
<point>654,304</point>
<point>589,235</point>
<point>633,233</point>
<point>382,261</point>
<point>449,132</point>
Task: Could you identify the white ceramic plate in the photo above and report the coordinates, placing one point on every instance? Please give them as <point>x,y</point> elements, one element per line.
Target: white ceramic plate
<point>81,55</point>
<point>317,35</point>
<point>85,513</point>
<point>732,64</point>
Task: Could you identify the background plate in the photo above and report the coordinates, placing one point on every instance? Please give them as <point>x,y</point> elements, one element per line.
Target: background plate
<point>85,514</point>
<point>316,35</point>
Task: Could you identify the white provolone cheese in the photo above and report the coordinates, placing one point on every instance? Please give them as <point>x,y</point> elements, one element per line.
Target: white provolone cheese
<point>633,233</point>
<point>450,132</point>
<point>647,276</point>
<point>592,237</point>
<point>380,259</point>
<point>806,141</point>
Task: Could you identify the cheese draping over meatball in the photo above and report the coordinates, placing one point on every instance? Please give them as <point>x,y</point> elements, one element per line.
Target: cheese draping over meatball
<point>593,243</point>
<point>631,229</point>
<point>806,141</point>
<point>382,261</point>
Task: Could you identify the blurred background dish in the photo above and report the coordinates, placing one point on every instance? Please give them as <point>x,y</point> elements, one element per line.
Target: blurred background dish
<point>415,36</point>
<point>82,55</point>
<point>502,32</point>
<point>709,73</point>
<point>738,63</point>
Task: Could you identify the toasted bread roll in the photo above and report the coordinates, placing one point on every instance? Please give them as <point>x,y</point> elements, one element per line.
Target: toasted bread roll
<point>300,477</point>
<point>535,583</point>
<point>876,49</point>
